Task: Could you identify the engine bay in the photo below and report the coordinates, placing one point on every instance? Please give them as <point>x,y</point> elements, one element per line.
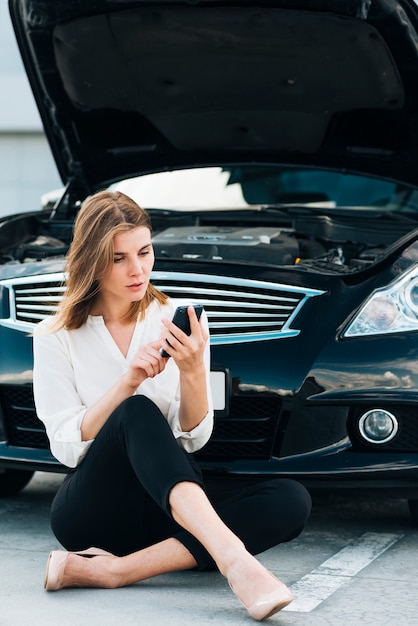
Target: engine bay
<point>315,242</point>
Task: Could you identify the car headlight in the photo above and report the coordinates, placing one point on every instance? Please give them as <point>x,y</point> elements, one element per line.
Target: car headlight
<point>392,309</point>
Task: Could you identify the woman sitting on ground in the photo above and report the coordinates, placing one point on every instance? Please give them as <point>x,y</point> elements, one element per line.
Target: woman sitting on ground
<point>126,421</point>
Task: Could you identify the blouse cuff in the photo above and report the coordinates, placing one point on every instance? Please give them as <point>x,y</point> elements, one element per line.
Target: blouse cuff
<point>197,437</point>
<point>68,436</point>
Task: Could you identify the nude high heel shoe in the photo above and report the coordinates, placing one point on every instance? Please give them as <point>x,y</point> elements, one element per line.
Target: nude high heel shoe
<point>55,566</point>
<point>270,604</point>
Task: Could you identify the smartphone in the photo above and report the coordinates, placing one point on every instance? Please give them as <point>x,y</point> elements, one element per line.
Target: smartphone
<point>181,319</point>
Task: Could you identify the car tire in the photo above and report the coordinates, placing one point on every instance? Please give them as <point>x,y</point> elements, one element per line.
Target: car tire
<point>413,509</point>
<point>12,481</point>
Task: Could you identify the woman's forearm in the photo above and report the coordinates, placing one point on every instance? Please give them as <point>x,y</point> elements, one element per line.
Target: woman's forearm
<point>97,415</point>
<point>193,398</point>
<point>146,363</point>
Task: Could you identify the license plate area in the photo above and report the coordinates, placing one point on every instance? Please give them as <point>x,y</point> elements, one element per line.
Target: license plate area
<point>220,381</point>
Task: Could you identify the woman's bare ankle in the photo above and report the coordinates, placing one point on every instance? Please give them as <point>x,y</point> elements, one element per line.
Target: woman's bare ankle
<point>97,571</point>
<point>231,556</point>
<point>115,573</point>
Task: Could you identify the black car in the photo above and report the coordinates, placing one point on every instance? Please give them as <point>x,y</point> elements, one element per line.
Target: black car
<point>275,145</point>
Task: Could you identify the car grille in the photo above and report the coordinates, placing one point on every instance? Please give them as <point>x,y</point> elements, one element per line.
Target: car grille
<point>246,433</point>
<point>22,425</point>
<point>239,310</point>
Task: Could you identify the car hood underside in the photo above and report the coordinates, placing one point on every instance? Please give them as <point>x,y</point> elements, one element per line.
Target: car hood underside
<point>125,88</point>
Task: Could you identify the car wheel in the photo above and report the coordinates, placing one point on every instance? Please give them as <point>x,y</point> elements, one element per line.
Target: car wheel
<point>413,509</point>
<point>12,481</point>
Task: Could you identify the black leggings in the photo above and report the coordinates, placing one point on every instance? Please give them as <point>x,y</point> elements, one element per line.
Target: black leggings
<point>117,498</point>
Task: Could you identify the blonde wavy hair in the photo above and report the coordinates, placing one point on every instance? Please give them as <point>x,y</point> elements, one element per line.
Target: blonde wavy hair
<point>101,217</point>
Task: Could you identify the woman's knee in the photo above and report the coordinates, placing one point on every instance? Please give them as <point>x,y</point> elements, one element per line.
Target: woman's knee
<point>137,405</point>
<point>291,499</point>
<point>139,413</point>
<point>300,498</point>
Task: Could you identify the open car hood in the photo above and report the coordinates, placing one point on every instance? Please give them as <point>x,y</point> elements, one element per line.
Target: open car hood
<point>126,87</point>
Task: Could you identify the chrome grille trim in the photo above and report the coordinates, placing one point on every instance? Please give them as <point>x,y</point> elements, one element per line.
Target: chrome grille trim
<point>239,310</point>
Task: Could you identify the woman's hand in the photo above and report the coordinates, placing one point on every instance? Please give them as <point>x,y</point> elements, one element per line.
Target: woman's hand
<point>188,353</point>
<point>147,362</point>
<point>186,350</point>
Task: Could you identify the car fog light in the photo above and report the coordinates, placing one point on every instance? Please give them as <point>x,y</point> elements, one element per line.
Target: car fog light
<point>378,426</point>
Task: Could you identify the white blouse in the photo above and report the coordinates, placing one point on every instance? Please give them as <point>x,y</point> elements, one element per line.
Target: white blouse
<point>73,369</point>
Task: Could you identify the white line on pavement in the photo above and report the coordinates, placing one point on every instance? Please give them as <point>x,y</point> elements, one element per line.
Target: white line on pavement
<point>338,570</point>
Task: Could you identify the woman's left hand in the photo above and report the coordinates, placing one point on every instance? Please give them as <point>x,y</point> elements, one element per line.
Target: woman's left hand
<point>186,350</point>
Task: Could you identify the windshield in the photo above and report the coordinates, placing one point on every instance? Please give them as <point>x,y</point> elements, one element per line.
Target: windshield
<point>245,186</point>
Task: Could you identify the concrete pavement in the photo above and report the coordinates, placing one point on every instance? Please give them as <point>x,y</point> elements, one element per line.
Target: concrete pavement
<point>373,584</point>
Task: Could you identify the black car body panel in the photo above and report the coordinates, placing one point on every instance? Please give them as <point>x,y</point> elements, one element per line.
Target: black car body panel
<point>311,297</point>
<point>139,86</point>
